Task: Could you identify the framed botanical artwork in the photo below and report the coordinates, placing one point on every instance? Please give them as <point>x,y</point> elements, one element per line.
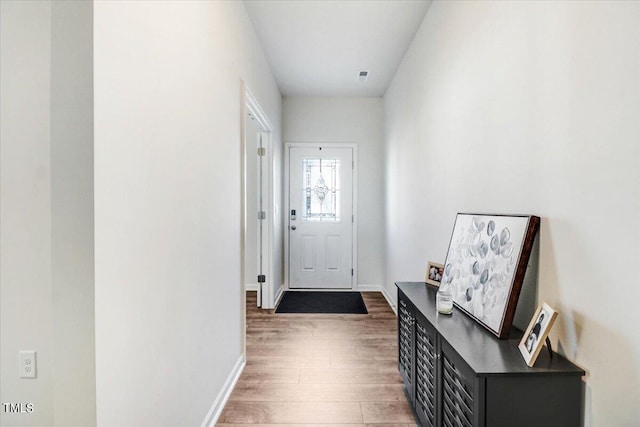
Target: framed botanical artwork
<point>485,266</point>
<point>434,273</point>
<point>535,335</point>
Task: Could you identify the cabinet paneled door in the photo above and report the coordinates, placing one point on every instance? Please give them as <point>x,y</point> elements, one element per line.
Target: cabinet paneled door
<point>457,374</point>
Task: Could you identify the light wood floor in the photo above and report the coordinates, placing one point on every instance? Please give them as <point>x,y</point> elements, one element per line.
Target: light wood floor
<point>320,369</point>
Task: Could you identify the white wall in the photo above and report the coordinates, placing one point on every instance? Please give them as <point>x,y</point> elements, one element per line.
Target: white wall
<point>169,301</point>
<point>46,209</point>
<point>276,185</point>
<point>25,208</point>
<point>530,107</point>
<point>351,120</point>
<point>72,245</point>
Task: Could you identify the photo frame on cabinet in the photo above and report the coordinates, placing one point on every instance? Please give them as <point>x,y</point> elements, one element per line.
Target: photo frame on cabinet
<point>434,273</point>
<point>535,335</point>
<point>485,266</point>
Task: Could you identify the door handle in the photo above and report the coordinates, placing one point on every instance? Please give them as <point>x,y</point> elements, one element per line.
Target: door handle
<point>293,227</point>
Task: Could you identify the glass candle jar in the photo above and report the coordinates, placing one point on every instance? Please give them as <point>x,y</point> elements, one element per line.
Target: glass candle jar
<point>444,302</point>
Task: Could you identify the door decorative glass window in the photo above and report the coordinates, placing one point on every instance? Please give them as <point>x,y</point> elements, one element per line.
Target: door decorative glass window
<point>321,178</point>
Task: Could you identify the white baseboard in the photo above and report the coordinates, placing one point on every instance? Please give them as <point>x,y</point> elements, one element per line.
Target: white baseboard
<point>367,288</point>
<point>279,295</point>
<point>221,400</point>
<point>378,288</point>
<point>389,300</point>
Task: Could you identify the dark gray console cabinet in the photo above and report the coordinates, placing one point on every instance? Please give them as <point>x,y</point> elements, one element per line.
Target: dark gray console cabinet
<point>459,375</point>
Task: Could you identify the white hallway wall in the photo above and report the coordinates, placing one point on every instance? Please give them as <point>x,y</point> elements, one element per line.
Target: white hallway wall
<point>532,107</point>
<point>350,120</point>
<point>46,216</point>
<point>26,206</point>
<point>168,104</point>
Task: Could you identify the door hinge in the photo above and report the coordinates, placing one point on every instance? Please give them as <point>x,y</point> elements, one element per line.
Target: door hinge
<point>261,151</point>
<point>262,215</point>
<point>262,278</point>
<point>352,271</point>
<point>352,219</point>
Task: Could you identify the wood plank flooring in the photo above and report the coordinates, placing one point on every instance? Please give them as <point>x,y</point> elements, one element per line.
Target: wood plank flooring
<point>320,370</point>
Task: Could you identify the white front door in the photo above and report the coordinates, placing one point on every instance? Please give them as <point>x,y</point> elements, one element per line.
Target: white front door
<point>320,217</point>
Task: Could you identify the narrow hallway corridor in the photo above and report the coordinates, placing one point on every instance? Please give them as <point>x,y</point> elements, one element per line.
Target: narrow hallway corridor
<point>320,369</point>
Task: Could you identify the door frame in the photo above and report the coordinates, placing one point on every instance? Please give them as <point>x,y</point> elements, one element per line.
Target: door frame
<point>354,201</point>
<point>250,105</point>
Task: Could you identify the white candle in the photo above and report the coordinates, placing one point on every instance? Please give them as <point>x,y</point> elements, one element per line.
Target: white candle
<point>444,302</point>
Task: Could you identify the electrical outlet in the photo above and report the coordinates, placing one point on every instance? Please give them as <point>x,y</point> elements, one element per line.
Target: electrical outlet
<point>27,363</point>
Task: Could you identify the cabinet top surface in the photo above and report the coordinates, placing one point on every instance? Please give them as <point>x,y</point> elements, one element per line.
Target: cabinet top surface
<point>485,353</point>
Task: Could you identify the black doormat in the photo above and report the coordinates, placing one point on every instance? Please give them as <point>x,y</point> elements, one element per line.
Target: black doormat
<point>322,302</point>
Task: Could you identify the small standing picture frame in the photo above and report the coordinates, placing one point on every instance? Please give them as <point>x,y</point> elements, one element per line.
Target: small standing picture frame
<point>434,273</point>
<point>535,335</point>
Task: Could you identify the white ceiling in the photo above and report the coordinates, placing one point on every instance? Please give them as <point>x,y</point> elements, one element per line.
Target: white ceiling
<point>318,47</point>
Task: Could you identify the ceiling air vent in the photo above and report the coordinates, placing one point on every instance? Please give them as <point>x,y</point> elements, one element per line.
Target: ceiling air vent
<point>363,76</point>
